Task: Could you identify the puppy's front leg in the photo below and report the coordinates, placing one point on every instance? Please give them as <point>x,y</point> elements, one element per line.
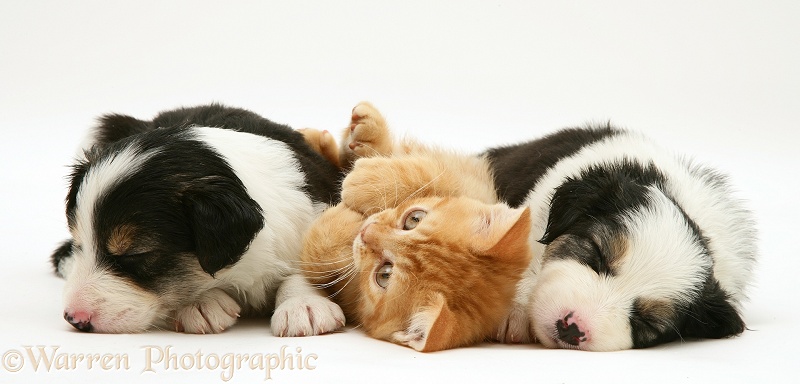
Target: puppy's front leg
<point>213,312</point>
<point>517,327</point>
<point>301,310</point>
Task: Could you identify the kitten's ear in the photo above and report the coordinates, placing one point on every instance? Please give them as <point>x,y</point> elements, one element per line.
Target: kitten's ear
<point>431,329</point>
<point>504,233</point>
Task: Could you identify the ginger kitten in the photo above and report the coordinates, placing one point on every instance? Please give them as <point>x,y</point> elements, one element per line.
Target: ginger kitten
<point>393,271</point>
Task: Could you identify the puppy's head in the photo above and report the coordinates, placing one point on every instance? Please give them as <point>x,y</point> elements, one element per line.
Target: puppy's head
<point>624,267</point>
<point>153,218</point>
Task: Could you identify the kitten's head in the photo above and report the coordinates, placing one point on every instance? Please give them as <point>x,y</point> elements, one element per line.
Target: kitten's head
<point>440,273</point>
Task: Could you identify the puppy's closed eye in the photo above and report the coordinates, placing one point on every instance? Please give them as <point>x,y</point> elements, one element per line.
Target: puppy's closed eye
<point>121,240</point>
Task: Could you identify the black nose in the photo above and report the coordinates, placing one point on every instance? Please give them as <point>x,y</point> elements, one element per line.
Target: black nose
<point>84,325</point>
<point>569,333</point>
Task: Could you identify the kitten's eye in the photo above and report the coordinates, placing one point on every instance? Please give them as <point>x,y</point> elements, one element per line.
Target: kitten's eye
<point>413,218</point>
<point>383,275</point>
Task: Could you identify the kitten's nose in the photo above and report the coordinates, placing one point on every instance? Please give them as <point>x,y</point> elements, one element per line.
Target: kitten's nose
<point>365,235</point>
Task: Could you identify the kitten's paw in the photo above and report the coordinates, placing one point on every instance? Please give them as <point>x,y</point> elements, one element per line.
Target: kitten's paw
<point>367,136</point>
<point>213,313</point>
<point>372,186</point>
<point>515,328</point>
<point>306,316</point>
<point>323,143</point>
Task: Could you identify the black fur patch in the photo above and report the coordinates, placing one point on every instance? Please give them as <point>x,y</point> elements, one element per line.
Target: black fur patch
<point>62,252</point>
<point>323,179</point>
<point>517,168</point>
<point>599,196</point>
<point>711,316</point>
<point>114,127</point>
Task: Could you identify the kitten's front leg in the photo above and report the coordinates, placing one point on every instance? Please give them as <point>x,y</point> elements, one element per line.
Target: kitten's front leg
<point>323,143</point>
<point>301,310</point>
<point>367,136</point>
<point>376,184</point>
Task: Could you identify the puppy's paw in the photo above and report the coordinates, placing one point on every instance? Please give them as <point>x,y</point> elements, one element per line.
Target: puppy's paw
<point>515,328</point>
<point>367,136</point>
<point>306,316</point>
<point>323,143</point>
<point>213,313</point>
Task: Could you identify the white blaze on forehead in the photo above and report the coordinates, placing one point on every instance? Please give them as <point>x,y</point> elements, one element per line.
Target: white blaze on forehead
<point>665,259</point>
<point>90,287</point>
<point>99,179</point>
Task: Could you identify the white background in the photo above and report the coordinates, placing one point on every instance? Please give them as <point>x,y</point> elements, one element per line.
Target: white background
<point>717,80</point>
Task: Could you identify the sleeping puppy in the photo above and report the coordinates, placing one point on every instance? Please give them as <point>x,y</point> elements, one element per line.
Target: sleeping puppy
<point>636,246</point>
<point>191,219</point>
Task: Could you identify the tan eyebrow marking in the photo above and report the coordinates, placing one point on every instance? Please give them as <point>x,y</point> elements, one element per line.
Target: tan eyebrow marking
<point>618,249</point>
<point>121,239</point>
<point>655,308</point>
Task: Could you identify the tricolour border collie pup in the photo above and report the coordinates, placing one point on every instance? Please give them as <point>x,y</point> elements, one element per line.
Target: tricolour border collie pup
<point>190,219</point>
<point>632,245</point>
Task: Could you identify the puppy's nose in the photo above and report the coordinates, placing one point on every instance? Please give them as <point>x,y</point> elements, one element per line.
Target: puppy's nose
<point>81,320</point>
<point>568,331</point>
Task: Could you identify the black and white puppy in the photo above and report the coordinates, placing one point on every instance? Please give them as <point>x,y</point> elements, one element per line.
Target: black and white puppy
<point>633,246</point>
<point>190,219</point>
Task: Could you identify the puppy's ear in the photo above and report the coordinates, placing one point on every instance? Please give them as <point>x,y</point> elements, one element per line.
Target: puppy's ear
<point>590,197</point>
<point>224,220</point>
<point>571,202</point>
<point>712,316</point>
<point>114,127</point>
<point>61,258</point>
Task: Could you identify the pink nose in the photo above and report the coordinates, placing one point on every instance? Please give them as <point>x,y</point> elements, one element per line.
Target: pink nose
<point>568,330</point>
<point>364,234</point>
<point>81,320</point>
